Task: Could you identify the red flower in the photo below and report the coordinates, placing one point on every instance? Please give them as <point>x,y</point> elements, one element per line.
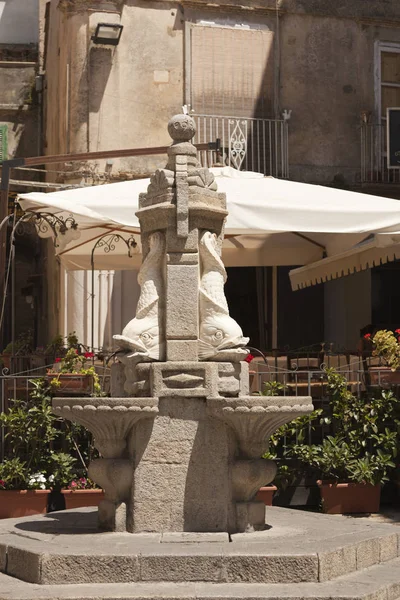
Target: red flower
<point>367,336</point>
<point>249,358</point>
<point>88,355</point>
<point>397,331</point>
<point>57,360</point>
<point>2,483</point>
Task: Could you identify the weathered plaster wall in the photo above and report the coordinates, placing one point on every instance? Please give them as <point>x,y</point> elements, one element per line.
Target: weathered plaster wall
<point>105,98</point>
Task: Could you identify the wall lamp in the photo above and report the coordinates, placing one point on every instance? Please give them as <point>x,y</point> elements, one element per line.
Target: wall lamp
<point>108,34</point>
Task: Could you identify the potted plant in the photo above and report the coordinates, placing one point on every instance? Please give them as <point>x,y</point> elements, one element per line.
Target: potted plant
<point>72,375</point>
<point>82,492</point>
<point>357,458</point>
<point>385,345</point>
<point>291,479</point>
<point>22,493</point>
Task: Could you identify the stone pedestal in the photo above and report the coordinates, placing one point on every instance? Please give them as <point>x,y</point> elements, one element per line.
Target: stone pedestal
<point>182,440</point>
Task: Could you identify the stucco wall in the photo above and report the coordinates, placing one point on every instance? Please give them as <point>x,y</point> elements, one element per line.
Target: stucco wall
<point>19,21</point>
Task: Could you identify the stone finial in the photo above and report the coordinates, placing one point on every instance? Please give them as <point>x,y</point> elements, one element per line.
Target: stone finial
<point>181,128</point>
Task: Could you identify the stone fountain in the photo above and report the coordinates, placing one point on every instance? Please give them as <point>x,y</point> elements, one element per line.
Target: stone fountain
<point>181,439</point>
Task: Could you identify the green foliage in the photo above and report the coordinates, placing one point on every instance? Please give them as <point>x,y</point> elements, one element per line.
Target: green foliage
<point>272,388</point>
<point>364,440</point>
<point>62,467</point>
<point>13,474</point>
<point>386,345</point>
<point>74,364</point>
<point>41,449</point>
<point>30,427</point>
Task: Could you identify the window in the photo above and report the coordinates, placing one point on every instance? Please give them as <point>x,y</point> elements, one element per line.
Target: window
<point>389,78</point>
<point>3,142</point>
<point>231,70</point>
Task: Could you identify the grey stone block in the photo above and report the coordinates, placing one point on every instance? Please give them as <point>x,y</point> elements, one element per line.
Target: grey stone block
<point>80,568</point>
<point>388,548</point>
<point>182,258</point>
<point>178,350</point>
<point>257,568</point>
<point>193,537</point>
<point>181,567</point>
<point>24,564</point>
<point>337,563</point>
<point>186,244</point>
<point>112,516</point>
<point>250,516</point>
<point>182,302</point>
<point>3,557</point>
<point>368,552</point>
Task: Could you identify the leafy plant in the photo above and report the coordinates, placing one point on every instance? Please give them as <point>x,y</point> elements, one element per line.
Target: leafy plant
<point>42,451</point>
<point>75,364</point>
<point>13,474</point>
<point>363,442</point>
<point>62,468</point>
<point>386,345</point>
<point>272,388</point>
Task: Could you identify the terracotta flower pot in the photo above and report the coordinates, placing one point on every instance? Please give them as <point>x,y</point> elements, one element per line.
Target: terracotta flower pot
<point>81,498</point>
<point>339,498</point>
<point>22,503</point>
<point>70,383</point>
<point>383,376</point>
<point>266,494</point>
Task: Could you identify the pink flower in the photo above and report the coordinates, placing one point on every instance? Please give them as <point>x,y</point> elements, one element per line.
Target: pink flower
<point>88,355</point>
<point>57,360</point>
<point>2,483</point>
<point>73,484</point>
<point>367,336</point>
<point>249,358</point>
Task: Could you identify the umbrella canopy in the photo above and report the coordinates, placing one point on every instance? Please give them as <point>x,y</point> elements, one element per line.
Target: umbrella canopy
<point>270,222</point>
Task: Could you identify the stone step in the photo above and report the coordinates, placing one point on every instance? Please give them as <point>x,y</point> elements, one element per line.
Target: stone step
<point>64,548</point>
<point>380,582</point>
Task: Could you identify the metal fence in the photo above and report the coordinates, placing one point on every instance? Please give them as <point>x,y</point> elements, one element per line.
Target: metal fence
<point>374,156</point>
<point>247,144</point>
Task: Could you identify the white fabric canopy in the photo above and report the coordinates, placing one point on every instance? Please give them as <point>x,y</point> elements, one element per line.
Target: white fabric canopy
<point>263,214</point>
<point>373,252</point>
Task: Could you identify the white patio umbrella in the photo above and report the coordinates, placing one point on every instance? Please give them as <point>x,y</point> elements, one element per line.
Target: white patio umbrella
<point>270,222</point>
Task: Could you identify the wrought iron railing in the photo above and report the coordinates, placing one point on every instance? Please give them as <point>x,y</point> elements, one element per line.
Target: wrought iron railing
<point>247,144</point>
<point>374,156</point>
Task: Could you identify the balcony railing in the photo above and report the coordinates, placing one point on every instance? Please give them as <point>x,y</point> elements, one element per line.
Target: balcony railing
<point>374,157</point>
<point>247,144</point>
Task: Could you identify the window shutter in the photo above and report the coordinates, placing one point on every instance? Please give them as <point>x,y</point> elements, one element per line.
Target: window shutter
<point>3,142</point>
<point>390,75</point>
<point>232,71</point>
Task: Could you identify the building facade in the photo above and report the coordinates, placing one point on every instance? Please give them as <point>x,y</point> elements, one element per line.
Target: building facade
<point>293,89</point>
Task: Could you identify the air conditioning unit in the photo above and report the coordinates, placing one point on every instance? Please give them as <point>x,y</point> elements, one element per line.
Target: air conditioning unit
<point>393,137</point>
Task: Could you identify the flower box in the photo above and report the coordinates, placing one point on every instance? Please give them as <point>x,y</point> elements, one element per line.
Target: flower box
<point>383,376</point>
<point>266,494</point>
<point>71,383</point>
<point>82,498</point>
<point>22,503</point>
<point>340,498</point>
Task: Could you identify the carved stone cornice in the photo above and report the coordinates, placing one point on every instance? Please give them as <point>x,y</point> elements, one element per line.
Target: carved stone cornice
<point>79,6</point>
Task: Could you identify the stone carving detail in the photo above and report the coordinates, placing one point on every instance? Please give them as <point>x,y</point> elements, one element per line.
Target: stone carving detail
<point>255,418</point>
<point>203,178</point>
<point>144,335</point>
<point>249,475</point>
<point>218,331</point>
<point>109,419</point>
<point>161,182</point>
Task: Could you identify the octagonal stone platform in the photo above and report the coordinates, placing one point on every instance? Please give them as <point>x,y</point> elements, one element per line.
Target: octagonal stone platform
<point>66,548</point>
